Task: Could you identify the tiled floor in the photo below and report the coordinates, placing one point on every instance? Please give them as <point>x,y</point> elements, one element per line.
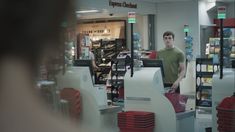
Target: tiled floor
<point>202,121</point>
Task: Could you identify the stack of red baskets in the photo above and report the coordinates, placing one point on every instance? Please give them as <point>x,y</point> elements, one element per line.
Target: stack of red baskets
<point>74,99</point>
<point>226,115</point>
<point>136,121</point>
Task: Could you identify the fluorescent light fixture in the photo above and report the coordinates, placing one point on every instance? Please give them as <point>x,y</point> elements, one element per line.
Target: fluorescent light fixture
<point>87,11</point>
<point>211,1</point>
<point>105,30</point>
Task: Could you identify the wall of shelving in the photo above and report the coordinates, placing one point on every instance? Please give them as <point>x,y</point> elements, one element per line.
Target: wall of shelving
<point>213,49</point>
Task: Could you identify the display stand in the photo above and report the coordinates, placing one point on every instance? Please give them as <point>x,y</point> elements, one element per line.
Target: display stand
<point>96,115</point>
<point>204,72</point>
<point>144,92</point>
<point>105,51</point>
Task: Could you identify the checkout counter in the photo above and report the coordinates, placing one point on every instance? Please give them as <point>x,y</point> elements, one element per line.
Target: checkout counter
<point>96,115</point>
<point>145,92</point>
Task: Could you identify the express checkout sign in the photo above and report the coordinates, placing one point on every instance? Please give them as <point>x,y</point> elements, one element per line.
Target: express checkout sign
<point>131,17</point>
<point>186,28</point>
<point>221,12</point>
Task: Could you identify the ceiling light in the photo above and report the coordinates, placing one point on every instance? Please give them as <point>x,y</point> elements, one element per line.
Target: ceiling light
<point>211,1</point>
<point>87,11</point>
<point>105,30</point>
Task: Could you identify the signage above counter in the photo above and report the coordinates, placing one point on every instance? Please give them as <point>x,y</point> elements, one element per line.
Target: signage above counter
<point>118,8</point>
<point>221,12</point>
<point>122,4</point>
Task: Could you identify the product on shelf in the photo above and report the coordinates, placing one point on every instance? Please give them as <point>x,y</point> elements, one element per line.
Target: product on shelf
<point>213,50</point>
<point>232,55</point>
<point>188,47</point>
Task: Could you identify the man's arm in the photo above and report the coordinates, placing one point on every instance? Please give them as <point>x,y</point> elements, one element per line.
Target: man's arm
<point>181,75</point>
<point>93,61</point>
<point>94,65</point>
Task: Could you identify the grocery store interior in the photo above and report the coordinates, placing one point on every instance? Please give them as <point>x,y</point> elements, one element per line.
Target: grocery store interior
<point>124,90</point>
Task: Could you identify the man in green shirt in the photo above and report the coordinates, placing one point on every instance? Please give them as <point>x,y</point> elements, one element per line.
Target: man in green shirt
<point>173,62</point>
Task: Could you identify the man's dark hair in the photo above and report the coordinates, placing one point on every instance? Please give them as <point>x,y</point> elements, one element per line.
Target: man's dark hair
<point>169,33</point>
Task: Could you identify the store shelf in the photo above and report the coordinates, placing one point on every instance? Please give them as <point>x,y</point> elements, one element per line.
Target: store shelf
<point>204,72</point>
<point>201,111</point>
<point>120,72</point>
<point>204,103</point>
<point>206,61</point>
<point>116,78</point>
<point>204,87</point>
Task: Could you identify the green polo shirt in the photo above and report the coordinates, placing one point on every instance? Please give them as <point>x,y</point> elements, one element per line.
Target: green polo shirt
<point>171,58</point>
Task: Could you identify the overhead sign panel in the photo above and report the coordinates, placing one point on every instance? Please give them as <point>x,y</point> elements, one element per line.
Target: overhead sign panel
<point>131,17</point>
<point>221,12</point>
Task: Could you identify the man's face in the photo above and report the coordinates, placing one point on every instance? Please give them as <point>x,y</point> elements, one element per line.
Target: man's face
<point>168,40</point>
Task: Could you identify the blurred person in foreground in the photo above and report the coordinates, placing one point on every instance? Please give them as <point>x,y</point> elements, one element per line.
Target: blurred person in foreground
<point>30,32</point>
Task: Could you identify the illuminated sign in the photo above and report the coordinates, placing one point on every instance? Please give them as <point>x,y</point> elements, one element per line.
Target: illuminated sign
<point>122,4</point>
<point>131,17</point>
<point>221,12</point>
<point>186,28</point>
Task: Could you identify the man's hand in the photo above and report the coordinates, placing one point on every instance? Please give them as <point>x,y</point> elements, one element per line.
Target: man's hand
<point>96,68</point>
<point>175,85</point>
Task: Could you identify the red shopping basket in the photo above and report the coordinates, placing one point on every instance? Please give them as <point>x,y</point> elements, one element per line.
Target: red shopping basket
<point>136,121</point>
<point>178,101</point>
<point>74,99</point>
<point>226,114</point>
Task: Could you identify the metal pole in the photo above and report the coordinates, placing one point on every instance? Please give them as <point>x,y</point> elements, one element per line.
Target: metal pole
<point>132,50</point>
<point>221,48</point>
<point>186,35</point>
